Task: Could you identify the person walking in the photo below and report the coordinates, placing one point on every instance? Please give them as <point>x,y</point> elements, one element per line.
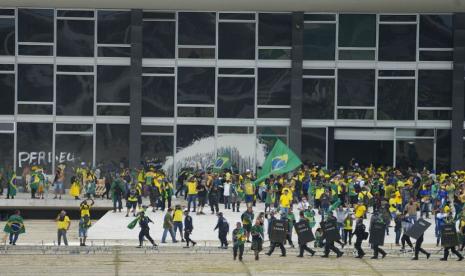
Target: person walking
<point>84,225</point>
<point>303,245</point>
<point>227,193</point>
<point>223,229</point>
<point>188,228</point>
<point>191,193</point>
<point>360,235</point>
<point>117,190</point>
<point>145,229</point>
<point>419,249</point>
<point>238,236</point>
<point>177,221</point>
<point>247,218</point>
<point>257,238</point>
<point>168,226</point>
<point>63,224</point>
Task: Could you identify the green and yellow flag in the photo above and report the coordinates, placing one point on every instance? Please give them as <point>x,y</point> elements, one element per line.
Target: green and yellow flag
<point>279,161</point>
<point>221,163</point>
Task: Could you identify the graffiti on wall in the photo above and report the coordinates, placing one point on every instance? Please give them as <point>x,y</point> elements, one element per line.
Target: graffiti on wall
<point>43,158</point>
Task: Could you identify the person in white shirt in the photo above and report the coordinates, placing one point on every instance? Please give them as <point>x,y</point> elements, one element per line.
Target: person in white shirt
<point>303,204</point>
<point>227,194</point>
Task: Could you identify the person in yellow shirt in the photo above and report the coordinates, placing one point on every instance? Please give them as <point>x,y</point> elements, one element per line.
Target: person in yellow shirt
<point>63,224</point>
<point>360,210</point>
<point>85,207</point>
<point>191,193</point>
<point>285,201</point>
<point>177,221</point>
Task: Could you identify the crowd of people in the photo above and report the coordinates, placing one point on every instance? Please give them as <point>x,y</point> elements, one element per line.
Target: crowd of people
<point>395,198</point>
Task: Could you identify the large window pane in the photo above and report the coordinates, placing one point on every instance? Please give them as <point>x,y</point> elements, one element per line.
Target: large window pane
<point>415,153</point>
<point>356,87</point>
<point>196,28</point>
<point>357,30</point>
<point>158,39</point>
<point>157,148</point>
<point>365,152</point>
<point>75,95</point>
<point>7,150</point>
<point>157,96</point>
<point>34,145</point>
<point>435,88</point>
<point>113,84</point>
<point>75,38</point>
<point>113,27</point>
<point>7,36</point>
<point>72,150</point>
<point>314,146</point>
<point>236,41</point>
<point>274,85</point>
<point>397,42</point>
<point>194,146</point>
<point>112,144</point>
<point>319,41</point>
<point>196,85</point>
<point>7,94</point>
<point>35,82</point>
<point>35,25</point>
<point>318,99</point>
<point>274,29</point>
<point>236,97</point>
<point>443,150</point>
<point>393,94</point>
<point>436,31</point>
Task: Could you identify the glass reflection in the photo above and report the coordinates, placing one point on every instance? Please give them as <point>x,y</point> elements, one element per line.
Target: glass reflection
<point>202,24</point>
<point>114,27</point>
<point>395,93</point>
<point>157,96</point>
<point>38,152</point>
<point>7,150</point>
<point>35,82</point>
<point>112,143</point>
<point>7,86</point>
<point>196,85</point>
<point>318,99</point>
<point>415,153</point>
<point>274,29</point>
<point>436,31</point>
<point>157,148</point>
<point>435,88</point>
<point>7,36</point>
<point>365,152</point>
<point>319,41</point>
<point>236,41</point>
<point>357,30</point>
<point>274,85</point>
<point>113,84</point>
<point>236,97</point>
<point>314,146</point>
<point>158,39</point>
<point>75,95</point>
<point>75,38</point>
<point>35,25</point>
<point>356,87</point>
<point>397,42</point>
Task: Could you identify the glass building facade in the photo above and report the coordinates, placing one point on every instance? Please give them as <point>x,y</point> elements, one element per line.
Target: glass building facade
<point>222,82</point>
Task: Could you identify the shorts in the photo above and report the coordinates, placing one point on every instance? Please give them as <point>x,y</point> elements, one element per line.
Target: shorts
<point>247,227</point>
<point>131,204</point>
<point>248,198</point>
<point>58,186</point>
<point>82,232</point>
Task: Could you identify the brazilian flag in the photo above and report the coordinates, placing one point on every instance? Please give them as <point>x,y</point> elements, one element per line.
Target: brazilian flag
<point>133,223</point>
<point>221,163</point>
<point>279,161</point>
<point>14,224</point>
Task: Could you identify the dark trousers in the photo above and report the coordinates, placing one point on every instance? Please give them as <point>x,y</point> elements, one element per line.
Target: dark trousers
<point>358,247</point>
<point>163,203</point>
<point>406,239</point>
<point>239,248</point>
<point>418,249</point>
<point>329,246</point>
<point>446,252</point>
<point>234,204</point>
<point>377,250</point>
<point>144,232</point>
<point>187,234</point>
<point>304,247</point>
<point>13,238</point>
<point>223,240</point>
<point>281,246</point>
<point>117,203</point>
<point>347,234</point>
<point>214,207</point>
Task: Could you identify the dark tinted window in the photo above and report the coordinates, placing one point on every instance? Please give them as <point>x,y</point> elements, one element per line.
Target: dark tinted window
<point>365,152</point>
<point>318,99</point>
<point>114,51</point>
<point>397,42</point>
<point>413,153</point>
<point>7,36</point>
<point>113,84</point>
<point>319,41</point>
<point>357,30</point>
<point>156,148</point>
<point>113,27</point>
<point>236,41</point>
<point>35,50</point>
<point>356,87</point>
<point>7,92</point>
<point>39,109</point>
<point>435,88</point>
<point>196,85</point>
<point>158,39</point>
<point>314,145</point>
<point>196,28</point>
<point>112,144</point>
<point>443,150</point>
<point>393,94</point>
<point>72,150</point>
<point>75,95</point>
<point>157,96</point>
<point>274,86</point>
<point>436,31</point>
<point>75,38</point>
<point>35,82</point>
<point>40,151</point>
<point>356,114</point>
<point>35,25</point>
<point>236,97</point>
<point>7,146</point>
<point>274,29</point>
<point>187,134</point>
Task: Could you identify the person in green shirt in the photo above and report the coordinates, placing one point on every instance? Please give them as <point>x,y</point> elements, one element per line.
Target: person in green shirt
<point>11,186</point>
<point>257,238</point>
<point>117,190</point>
<point>239,238</point>
<point>168,226</point>
<point>14,227</point>
<point>291,221</point>
<point>247,218</point>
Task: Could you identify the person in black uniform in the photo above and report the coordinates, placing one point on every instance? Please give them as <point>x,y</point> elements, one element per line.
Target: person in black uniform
<point>450,220</point>
<point>188,227</point>
<point>376,218</point>
<point>303,246</point>
<point>361,235</point>
<point>280,244</point>
<point>329,245</point>
<point>144,229</point>
<point>223,230</point>
<point>419,249</point>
